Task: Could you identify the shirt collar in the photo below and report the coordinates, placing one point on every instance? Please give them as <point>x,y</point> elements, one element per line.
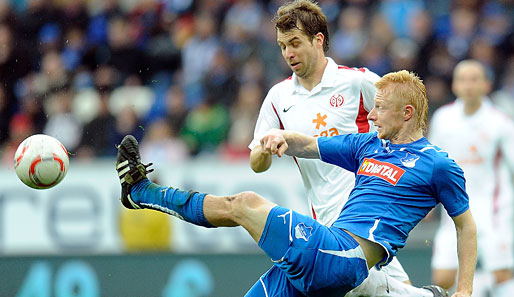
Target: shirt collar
<point>327,80</point>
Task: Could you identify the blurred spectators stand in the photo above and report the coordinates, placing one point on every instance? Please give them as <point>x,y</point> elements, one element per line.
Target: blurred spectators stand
<point>188,77</point>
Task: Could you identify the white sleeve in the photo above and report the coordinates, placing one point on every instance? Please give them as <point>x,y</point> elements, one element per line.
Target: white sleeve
<point>434,129</point>
<point>507,143</point>
<point>267,120</point>
<point>368,88</point>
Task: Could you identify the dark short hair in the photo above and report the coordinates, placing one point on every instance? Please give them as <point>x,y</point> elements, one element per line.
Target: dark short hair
<point>303,15</point>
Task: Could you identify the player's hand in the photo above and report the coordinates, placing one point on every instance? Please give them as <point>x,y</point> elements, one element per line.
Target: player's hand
<point>274,142</point>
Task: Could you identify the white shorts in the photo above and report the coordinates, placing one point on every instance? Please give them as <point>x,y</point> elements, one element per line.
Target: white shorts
<point>395,270</point>
<point>495,248</point>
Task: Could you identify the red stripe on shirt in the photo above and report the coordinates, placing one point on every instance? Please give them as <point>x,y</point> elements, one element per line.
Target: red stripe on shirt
<point>313,212</point>
<point>282,128</point>
<point>362,118</point>
<point>496,191</point>
<point>362,69</point>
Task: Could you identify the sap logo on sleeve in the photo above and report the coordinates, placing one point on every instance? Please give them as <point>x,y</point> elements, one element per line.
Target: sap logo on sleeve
<point>383,170</point>
<point>302,231</point>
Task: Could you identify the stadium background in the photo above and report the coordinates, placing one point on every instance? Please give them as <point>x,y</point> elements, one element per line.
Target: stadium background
<point>187,79</point>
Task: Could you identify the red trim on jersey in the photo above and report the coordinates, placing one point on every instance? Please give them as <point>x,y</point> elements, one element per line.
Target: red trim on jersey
<point>282,128</point>
<point>362,69</point>
<point>313,212</point>
<point>496,191</point>
<point>362,118</point>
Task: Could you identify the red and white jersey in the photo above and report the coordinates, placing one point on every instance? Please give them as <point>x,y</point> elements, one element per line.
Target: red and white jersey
<point>339,104</point>
<point>483,145</point>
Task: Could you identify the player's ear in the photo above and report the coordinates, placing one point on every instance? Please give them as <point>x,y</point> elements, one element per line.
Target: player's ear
<point>408,112</point>
<point>319,38</point>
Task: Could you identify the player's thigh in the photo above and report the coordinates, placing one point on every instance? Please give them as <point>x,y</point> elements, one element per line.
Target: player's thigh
<point>273,283</point>
<point>319,261</point>
<point>395,270</point>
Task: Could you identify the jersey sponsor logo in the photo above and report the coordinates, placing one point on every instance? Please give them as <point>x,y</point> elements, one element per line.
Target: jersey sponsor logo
<point>409,160</point>
<point>337,100</point>
<point>320,120</point>
<point>302,232</point>
<point>287,109</point>
<point>384,170</point>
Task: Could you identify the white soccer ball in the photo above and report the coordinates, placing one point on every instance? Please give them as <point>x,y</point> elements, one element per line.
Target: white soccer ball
<point>41,161</point>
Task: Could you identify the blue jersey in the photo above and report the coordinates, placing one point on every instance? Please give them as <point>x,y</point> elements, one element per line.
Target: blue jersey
<point>396,185</point>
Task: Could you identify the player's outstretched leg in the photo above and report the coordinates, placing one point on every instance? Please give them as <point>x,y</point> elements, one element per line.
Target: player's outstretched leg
<point>137,191</point>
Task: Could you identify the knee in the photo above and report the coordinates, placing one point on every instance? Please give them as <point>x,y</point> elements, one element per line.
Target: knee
<point>245,202</point>
<point>444,278</point>
<point>503,275</point>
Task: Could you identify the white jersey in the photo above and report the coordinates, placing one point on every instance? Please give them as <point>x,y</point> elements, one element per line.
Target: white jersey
<point>480,144</point>
<point>339,104</point>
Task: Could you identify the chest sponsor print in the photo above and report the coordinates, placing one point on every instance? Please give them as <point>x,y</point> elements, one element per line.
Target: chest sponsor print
<point>386,171</point>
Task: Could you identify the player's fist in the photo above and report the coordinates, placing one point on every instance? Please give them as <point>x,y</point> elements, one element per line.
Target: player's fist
<point>274,142</point>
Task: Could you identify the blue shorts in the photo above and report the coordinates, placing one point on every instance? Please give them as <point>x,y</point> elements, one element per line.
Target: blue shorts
<point>309,258</point>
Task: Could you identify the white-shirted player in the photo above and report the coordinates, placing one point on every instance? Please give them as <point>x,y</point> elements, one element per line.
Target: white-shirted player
<point>480,139</point>
<point>324,99</point>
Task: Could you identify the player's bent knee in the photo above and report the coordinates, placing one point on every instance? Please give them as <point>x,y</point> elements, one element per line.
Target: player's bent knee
<point>444,278</point>
<point>246,202</point>
<point>502,275</point>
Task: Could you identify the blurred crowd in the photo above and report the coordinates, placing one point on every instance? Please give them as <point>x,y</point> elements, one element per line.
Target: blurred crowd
<point>187,77</point>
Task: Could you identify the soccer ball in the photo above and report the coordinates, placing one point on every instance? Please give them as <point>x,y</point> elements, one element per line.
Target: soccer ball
<point>41,161</point>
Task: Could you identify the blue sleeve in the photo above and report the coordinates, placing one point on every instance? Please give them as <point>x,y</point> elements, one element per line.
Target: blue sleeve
<point>342,150</point>
<point>450,186</point>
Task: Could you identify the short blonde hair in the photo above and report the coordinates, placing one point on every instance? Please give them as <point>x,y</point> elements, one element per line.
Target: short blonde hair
<point>409,89</point>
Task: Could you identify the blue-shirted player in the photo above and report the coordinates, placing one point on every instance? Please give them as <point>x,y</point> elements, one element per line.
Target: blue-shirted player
<point>400,177</point>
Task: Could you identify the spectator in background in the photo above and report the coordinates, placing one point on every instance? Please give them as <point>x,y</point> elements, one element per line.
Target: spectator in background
<point>161,143</point>
<point>350,37</point>
<point>14,65</point>
<point>205,127</point>
<point>243,116</point>
<point>62,123</point>
<point>204,43</point>
<point>169,43</point>
<point>97,134</point>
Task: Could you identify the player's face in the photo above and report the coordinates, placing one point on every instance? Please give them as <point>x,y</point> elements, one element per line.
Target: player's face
<point>470,82</point>
<point>299,51</point>
<point>386,116</point>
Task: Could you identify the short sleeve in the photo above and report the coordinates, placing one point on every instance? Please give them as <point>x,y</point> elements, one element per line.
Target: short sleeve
<point>342,150</point>
<point>450,186</point>
<point>507,142</point>
<point>368,89</point>
<point>268,119</point>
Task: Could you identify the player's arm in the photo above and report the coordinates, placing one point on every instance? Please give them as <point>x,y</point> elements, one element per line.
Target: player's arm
<point>467,251</point>
<point>260,159</point>
<point>292,143</point>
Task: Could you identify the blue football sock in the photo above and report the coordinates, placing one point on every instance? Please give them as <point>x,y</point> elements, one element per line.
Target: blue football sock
<point>187,206</point>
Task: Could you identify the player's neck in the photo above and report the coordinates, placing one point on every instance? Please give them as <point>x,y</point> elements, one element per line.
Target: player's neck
<point>472,106</point>
<point>407,136</point>
<point>314,79</point>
